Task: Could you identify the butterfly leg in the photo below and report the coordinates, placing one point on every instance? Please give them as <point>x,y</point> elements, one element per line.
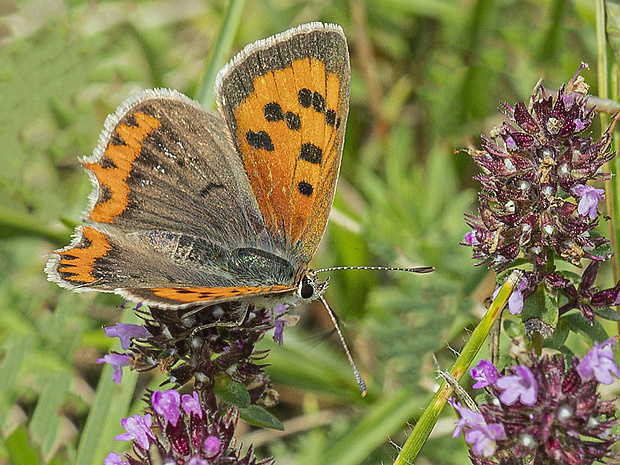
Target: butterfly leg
<point>219,312</point>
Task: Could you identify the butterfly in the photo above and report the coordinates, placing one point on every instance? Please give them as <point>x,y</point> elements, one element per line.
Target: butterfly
<point>191,207</point>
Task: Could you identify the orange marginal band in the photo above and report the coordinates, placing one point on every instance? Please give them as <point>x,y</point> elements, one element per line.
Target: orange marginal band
<point>122,156</point>
<point>198,294</point>
<point>80,261</point>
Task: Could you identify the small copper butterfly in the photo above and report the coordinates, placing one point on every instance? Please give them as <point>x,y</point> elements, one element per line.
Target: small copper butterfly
<point>190,207</point>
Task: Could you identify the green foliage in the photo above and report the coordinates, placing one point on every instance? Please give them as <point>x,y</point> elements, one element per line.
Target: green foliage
<point>258,416</point>
<point>426,80</point>
<point>232,393</point>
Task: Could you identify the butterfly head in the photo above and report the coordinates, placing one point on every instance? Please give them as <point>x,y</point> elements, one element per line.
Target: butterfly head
<point>310,288</point>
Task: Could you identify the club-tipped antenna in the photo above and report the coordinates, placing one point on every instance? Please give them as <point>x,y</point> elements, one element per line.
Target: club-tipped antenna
<point>356,372</point>
<point>419,269</point>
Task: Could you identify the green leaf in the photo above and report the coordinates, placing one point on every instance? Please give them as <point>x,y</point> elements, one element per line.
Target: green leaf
<point>512,328</point>
<point>220,51</point>
<point>20,451</point>
<point>46,422</point>
<point>14,223</point>
<point>607,313</point>
<point>318,369</point>
<point>605,251</point>
<point>540,313</point>
<point>561,333</point>
<point>232,392</point>
<point>590,332</point>
<point>258,416</point>
<point>612,10</point>
<point>384,419</point>
<point>109,407</point>
<point>9,370</point>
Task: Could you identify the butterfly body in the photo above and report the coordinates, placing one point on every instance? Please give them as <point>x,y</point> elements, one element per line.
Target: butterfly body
<point>190,207</point>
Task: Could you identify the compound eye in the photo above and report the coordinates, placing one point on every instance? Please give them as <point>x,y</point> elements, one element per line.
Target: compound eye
<point>306,289</point>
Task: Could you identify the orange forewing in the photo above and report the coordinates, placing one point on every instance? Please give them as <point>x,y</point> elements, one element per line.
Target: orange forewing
<point>119,160</point>
<point>286,177</point>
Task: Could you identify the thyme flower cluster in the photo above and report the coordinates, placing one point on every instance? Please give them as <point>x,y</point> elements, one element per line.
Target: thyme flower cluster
<point>214,349</point>
<point>537,203</point>
<point>200,346</point>
<point>184,430</point>
<point>547,412</point>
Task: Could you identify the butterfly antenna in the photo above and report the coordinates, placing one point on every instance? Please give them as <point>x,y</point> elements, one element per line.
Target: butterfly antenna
<point>356,372</point>
<point>419,269</point>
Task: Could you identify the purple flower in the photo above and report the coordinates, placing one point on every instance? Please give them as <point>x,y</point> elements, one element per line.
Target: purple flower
<point>114,459</point>
<point>484,373</point>
<point>484,438</point>
<point>138,430</point>
<point>469,418</point>
<point>515,301</point>
<point>529,165</point>
<point>117,361</point>
<point>167,405</point>
<point>125,332</point>
<point>197,461</point>
<point>590,197</point>
<point>191,404</point>
<point>480,435</point>
<point>282,320</point>
<point>212,446</point>
<point>562,422</point>
<point>599,362</point>
<point>522,386</point>
<point>470,238</point>
<point>197,439</point>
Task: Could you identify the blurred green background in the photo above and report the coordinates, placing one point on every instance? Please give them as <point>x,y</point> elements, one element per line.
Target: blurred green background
<point>427,76</point>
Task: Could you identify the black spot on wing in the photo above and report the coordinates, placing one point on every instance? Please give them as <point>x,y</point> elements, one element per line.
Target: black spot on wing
<point>273,112</point>
<point>304,96</point>
<point>311,153</point>
<point>318,102</point>
<point>305,188</point>
<point>292,121</point>
<point>259,140</point>
<point>330,118</point>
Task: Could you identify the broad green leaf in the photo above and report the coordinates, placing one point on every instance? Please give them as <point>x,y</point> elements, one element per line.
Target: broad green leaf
<point>232,392</point>
<point>258,416</point>
<point>590,332</point>
<point>19,449</point>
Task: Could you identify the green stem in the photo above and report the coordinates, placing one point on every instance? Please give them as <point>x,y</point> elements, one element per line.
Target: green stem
<point>220,51</point>
<point>427,421</point>
<point>612,188</point>
<point>613,192</point>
